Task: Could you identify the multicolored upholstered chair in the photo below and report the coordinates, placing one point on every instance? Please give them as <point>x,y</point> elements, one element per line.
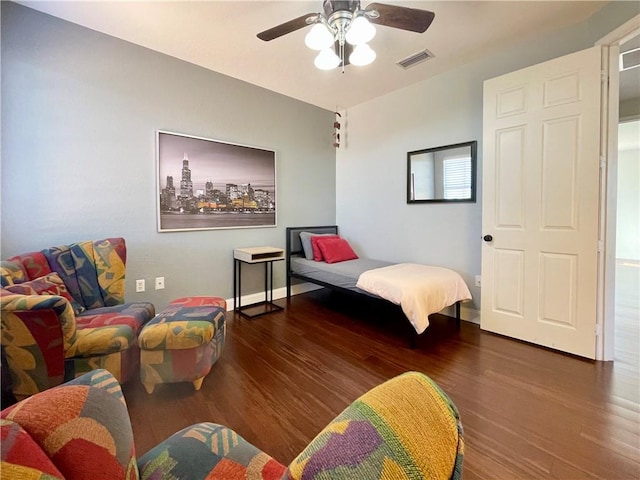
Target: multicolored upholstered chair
<point>63,314</point>
<point>406,428</point>
<point>183,341</point>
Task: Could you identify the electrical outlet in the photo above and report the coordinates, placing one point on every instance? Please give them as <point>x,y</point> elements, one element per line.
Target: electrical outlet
<point>159,283</point>
<point>140,285</point>
<point>478,281</point>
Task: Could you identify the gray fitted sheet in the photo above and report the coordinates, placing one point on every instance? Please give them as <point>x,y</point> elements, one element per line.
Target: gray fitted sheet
<point>342,274</point>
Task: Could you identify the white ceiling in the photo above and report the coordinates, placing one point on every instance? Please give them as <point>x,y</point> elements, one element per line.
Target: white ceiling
<point>221,36</point>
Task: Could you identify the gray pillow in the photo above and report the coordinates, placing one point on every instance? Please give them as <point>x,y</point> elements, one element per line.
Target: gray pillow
<point>305,240</point>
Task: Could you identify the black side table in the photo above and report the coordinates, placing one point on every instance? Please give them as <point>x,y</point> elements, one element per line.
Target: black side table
<point>265,255</point>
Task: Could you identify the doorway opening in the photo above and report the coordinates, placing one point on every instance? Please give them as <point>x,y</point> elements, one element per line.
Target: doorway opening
<point>627,258</point>
<point>621,106</point>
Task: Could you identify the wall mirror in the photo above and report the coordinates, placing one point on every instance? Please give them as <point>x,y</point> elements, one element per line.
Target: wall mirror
<point>442,174</point>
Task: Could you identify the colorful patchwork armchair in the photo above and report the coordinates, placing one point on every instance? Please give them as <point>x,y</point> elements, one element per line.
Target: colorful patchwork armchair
<point>63,314</point>
<point>406,428</point>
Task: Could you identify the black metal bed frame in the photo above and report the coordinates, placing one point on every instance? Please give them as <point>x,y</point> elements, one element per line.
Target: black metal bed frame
<point>294,247</point>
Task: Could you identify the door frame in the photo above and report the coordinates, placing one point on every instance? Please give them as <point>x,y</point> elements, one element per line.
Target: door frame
<point>608,191</point>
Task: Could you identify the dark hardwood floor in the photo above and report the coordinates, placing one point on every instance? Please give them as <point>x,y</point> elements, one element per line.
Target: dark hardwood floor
<point>527,412</point>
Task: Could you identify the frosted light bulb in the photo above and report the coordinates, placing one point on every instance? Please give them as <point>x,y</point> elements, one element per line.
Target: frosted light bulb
<point>319,37</point>
<point>360,31</point>
<point>362,55</point>
<point>327,60</point>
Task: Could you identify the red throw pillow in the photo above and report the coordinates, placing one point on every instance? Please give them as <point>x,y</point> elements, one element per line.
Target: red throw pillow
<point>336,250</point>
<point>317,254</point>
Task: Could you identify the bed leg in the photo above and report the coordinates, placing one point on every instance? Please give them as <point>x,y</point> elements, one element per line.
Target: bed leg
<point>288,288</point>
<point>457,314</point>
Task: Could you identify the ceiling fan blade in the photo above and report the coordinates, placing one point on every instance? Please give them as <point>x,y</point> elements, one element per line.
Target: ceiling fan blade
<point>405,18</point>
<point>287,27</point>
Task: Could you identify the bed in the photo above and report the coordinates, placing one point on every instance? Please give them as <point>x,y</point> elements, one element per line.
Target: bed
<point>419,290</point>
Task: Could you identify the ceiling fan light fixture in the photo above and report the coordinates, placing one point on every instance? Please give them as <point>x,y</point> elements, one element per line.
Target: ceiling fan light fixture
<point>327,60</point>
<point>319,37</point>
<point>362,55</point>
<point>344,26</point>
<point>360,31</point>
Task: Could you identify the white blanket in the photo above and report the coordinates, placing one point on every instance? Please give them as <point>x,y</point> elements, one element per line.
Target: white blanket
<point>419,289</point>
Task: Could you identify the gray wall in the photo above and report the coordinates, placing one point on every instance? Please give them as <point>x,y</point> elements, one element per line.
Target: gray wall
<point>80,111</point>
<point>630,108</point>
<point>79,116</point>
<point>446,109</point>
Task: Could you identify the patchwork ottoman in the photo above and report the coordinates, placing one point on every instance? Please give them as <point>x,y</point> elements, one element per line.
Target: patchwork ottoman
<point>182,342</point>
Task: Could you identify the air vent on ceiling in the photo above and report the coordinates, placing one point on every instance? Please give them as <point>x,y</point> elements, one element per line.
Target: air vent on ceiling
<point>415,59</point>
<point>630,59</point>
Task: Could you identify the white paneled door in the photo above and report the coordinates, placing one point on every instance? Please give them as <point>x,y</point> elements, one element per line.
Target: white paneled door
<point>541,174</point>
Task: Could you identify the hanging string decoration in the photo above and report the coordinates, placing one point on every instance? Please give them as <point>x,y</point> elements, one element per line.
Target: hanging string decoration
<point>336,130</point>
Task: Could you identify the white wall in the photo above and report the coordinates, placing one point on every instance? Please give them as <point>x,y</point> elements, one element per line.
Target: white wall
<point>371,168</point>
<point>80,111</point>
<point>628,205</point>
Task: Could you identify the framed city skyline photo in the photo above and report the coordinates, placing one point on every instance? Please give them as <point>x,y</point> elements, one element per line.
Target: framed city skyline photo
<point>206,184</point>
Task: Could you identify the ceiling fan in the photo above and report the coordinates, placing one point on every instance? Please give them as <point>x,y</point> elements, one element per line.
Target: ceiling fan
<point>342,31</point>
